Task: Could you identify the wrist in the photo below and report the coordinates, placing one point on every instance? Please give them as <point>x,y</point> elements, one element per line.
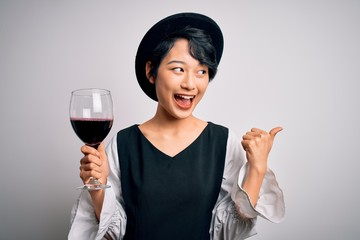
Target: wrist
<point>257,170</point>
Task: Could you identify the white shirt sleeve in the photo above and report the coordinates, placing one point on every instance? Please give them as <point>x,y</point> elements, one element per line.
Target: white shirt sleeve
<point>84,224</point>
<point>227,223</point>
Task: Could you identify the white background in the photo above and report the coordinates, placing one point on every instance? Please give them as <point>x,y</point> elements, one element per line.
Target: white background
<point>289,63</point>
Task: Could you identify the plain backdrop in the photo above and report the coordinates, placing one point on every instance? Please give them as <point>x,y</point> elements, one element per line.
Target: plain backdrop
<point>290,63</point>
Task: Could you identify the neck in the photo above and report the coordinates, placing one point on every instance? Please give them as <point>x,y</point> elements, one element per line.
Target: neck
<point>168,123</point>
<point>172,123</point>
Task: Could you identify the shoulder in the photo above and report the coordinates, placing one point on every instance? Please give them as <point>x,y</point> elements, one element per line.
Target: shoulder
<point>124,135</point>
<point>217,128</point>
<point>232,137</point>
<point>216,135</point>
<point>233,141</point>
<point>121,134</point>
<point>128,130</point>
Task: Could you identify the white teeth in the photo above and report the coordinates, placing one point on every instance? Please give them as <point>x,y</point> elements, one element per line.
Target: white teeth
<point>186,97</point>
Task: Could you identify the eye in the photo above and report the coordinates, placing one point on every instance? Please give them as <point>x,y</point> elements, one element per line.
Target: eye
<point>202,72</point>
<point>178,69</point>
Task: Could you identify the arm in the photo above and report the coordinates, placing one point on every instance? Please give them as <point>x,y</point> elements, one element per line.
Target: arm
<point>257,144</point>
<point>95,218</point>
<point>234,216</point>
<point>95,164</point>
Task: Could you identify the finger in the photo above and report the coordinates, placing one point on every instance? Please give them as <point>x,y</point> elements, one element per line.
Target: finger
<point>257,130</point>
<point>101,150</point>
<point>89,150</point>
<point>253,134</point>
<point>89,158</point>
<point>244,144</point>
<point>248,137</point>
<point>90,167</point>
<point>84,160</point>
<point>275,131</point>
<point>90,170</point>
<point>247,145</point>
<point>86,175</point>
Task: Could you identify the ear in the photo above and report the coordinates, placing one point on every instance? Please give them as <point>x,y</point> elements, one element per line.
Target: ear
<point>148,68</point>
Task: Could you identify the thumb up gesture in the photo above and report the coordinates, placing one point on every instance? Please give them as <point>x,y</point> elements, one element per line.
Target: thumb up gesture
<point>257,143</point>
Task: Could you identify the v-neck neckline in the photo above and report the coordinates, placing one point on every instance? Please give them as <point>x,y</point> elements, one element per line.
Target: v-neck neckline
<point>181,151</point>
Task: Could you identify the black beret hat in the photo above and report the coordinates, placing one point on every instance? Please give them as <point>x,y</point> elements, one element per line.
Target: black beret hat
<point>164,28</point>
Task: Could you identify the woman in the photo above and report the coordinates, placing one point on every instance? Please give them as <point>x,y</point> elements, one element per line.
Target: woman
<point>176,176</point>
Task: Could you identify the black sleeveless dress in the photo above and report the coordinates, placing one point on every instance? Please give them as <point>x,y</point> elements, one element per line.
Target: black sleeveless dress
<point>171,198</point>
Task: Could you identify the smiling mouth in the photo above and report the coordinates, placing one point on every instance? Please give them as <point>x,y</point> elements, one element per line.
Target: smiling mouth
<point>184,100</point>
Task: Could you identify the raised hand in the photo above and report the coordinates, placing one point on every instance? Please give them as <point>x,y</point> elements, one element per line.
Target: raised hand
<point>257,143</point>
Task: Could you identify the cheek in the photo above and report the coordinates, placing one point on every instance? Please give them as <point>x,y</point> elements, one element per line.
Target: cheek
<point>202,87</point>
<point>166,82</point>
<point>163,89</point>
<point>161,86</point>
<point>201,91</point>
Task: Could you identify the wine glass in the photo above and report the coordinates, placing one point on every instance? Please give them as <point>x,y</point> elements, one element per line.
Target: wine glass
<point>91,116</point>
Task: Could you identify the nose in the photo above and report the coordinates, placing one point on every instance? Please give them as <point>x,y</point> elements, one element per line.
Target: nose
<point>188,82</point>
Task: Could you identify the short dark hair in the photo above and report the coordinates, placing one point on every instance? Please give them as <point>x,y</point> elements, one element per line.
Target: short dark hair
<point>201,48</point>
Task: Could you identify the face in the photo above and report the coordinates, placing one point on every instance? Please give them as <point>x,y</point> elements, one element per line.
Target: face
<point>181,81</point>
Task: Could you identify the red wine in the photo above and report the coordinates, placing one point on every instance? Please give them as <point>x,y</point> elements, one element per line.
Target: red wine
<point>91,131</point>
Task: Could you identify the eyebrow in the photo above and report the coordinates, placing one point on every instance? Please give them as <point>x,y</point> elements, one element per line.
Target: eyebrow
<point>183,63</point>
<point>176,61</point>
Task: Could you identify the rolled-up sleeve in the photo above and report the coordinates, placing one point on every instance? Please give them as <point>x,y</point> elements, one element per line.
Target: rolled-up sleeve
<point>270,204</point>
<point>84,224</point>
<point>233,215</point>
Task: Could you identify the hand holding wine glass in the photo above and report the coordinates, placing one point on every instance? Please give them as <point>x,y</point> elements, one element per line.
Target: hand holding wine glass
<point>91,116</point>
<point>94,164</point>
